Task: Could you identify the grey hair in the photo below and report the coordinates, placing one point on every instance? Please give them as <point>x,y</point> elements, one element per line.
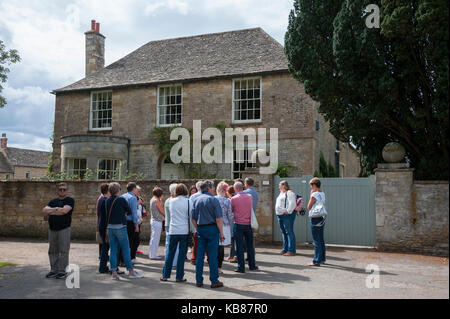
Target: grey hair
<point>172,188</point>
<point>198,185</point>
<point>206,185</point>
<point>114,188</point>
<point>238,186</point>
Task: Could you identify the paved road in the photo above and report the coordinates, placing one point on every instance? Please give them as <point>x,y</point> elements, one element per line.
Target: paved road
<point>401,276</point>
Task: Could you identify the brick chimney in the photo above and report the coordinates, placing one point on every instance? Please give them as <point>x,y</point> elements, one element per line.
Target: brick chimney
<point>95,49</point>
<point>4,141</point>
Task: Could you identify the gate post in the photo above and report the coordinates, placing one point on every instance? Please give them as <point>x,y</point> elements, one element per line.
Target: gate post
<point>393,200</point>
<point>265,208</point>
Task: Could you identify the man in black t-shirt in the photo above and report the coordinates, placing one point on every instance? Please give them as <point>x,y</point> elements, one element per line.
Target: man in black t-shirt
<point>58,212</point>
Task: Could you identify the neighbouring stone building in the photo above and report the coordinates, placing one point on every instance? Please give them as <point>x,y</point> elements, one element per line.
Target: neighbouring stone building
<point>104,122</point>
<point>18,163</point>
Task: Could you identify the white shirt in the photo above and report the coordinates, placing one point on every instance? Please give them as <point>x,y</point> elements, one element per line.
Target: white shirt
<point>286,202</point>
<point>179,216</point>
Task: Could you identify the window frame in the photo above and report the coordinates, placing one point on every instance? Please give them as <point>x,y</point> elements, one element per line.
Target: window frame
<point>119,164</point>
<point>67,159</point>
<point>158,124</point>
<point>233,120</point>
<point>233,162</point>
<point>91,118</point>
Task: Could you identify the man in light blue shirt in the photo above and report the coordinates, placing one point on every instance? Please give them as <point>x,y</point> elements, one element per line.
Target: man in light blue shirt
<point>132,220</point>
<point>250,189</point>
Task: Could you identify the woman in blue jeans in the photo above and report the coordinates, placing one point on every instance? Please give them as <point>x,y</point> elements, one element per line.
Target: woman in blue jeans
<point>178,232</point>
<point>317,214</point>
<point>284,208</point>
<point>115,211</point>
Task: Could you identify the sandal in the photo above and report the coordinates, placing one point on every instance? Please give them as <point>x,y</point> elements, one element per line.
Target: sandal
<point>182,280</point>
<point>163,279</point>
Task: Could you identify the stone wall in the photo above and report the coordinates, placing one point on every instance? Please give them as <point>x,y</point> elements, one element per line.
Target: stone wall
<point>22,201</point>
<point>411,216</point>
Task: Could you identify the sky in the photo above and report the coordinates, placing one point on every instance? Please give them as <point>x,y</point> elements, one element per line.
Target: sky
<point>49,36</point>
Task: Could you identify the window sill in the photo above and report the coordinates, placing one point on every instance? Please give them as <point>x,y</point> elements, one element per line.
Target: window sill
<point>100,129</point>
<point>246,122</point>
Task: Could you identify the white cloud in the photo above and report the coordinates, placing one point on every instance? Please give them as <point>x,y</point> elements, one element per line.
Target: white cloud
<point>175,5</point>
<point>28,141</point>
<point>49,36</point>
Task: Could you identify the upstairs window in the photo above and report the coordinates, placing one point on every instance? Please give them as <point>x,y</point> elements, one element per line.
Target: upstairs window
<point>169,105</point>
<point>101,110</point>
<point>247,100</point>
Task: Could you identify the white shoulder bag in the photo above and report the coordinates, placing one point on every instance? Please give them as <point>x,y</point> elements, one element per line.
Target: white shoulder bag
<point>318,209</point>
<point>254,221</point>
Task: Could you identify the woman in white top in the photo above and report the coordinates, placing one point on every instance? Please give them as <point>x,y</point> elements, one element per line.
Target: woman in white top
<point>317,221</point>
<point>172,188</point>
<point>156,222</point>
<point>284,208</point>
<point>179,223</point>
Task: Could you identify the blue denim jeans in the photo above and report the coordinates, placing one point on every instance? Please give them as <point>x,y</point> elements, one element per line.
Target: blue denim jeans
<point>318,240</point>
<point>118,241</point>
<point>286,223</point>
<point>243,235</point>
<point>174,241</point>
<point>208,237</point>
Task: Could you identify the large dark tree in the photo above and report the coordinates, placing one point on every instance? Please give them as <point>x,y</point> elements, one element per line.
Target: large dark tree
<point>377,85</point>
<point>6,58</point>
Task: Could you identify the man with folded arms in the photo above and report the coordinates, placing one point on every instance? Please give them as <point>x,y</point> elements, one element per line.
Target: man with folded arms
<point>58,212</point>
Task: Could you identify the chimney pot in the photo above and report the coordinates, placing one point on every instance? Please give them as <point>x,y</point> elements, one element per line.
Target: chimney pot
<point>93,25</point>
<point>97,27</point>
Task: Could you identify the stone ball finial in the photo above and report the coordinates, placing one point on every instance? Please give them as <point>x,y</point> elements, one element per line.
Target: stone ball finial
<point>393,152</point>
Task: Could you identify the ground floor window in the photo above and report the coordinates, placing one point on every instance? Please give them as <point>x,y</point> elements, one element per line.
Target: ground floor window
<point>108,169</point>
<point>76,166</point>
<point>241,161</point>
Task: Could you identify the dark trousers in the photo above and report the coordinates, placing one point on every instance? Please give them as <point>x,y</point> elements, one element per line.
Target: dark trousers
<point>104,250</point>
<point>243,235</point>
<point>133,238</point>
<point>221,255</point>
<point>318,240</point>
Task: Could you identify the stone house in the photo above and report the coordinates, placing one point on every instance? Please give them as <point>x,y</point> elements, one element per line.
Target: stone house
<point>18,163</point>
<point>238,79</point>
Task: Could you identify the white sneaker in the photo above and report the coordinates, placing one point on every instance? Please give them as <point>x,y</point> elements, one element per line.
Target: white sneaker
<point>135,275</point>
<point>135,261</point>
<point>156,258</point>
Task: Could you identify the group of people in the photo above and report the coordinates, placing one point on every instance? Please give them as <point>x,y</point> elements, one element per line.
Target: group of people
<point>205,217</point>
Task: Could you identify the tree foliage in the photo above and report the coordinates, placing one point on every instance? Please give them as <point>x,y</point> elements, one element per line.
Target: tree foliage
<point>377,85</point>
<point>6,58</point>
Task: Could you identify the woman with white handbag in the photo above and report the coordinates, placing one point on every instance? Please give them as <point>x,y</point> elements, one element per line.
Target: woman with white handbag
<point>317,214</point>
<point>227,221</point>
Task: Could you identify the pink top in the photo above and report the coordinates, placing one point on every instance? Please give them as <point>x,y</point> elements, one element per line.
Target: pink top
<point>241,205</point>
